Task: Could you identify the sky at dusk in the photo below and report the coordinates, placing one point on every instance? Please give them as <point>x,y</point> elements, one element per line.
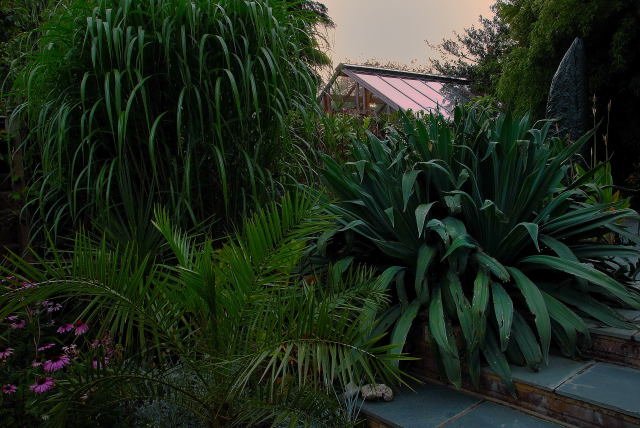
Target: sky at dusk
<point>396,30</point>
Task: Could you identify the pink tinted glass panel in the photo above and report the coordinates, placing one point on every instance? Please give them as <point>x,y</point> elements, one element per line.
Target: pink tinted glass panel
<point>410,92</point>
<point>389,91</point>
<point>432,90</point>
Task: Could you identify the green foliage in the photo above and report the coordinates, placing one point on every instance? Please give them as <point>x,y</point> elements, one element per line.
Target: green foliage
<point>331,134</point>
<point>478,54</point>
<point>166,102</point>
<point>514,55</point>
<point>244,334</point>
<point>542,31</point>
<point>490,233</point>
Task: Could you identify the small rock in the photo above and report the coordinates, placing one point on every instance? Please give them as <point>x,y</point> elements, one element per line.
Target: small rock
<point>376,392</point>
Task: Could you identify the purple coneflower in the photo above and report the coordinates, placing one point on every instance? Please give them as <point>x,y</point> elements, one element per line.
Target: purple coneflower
<point>56,363</point>
<point>9,389</point>
<point>65,328</point>
<point>18,324</point>
<point>81,328</point>
<point>47,346</point>
<point>36,363</point>
<point>5,352</point>
<point>12,317</point>
<point>43,384</point>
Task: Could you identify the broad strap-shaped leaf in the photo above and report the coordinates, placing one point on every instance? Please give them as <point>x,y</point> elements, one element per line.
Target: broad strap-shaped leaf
<point>421,216</point>
<point>562,251</point>
<point>594,276</point>
<point>497,361</point>
<point>568,320</point>
<point>402,327</point>
<point>527,342</point>
<point>438,325</point>
<point>592,307</point>
<point>537,306</point>
<point>491,210</point>
<point>492,265</point>
<point>503,309</point>
<point>408,181</point>
<point>426,255</point>
<point>462,241</point>
<point>444,339</point>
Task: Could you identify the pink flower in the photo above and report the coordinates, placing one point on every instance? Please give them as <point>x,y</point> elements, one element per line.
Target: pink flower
<point>12,317</point>
<point>5,352</point>
<point>43,384</point>
<point>54,307</point>
<point>102,342</point>
<point>47,346</point>
<point>27,284</point>
<point>81,328</point>
<point>56,363</point>
<point>9,389</point>
<point>36,363</point>
<point>100,363</point>
<point>19,324</point>
<point>65,328</point>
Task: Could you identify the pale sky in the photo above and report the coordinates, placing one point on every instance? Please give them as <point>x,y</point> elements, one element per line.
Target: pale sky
<point>396,30</point>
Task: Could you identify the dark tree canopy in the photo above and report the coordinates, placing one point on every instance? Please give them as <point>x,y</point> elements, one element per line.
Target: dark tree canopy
<point>476,54</point>
<point>542,32</point>
<point>515,54</point>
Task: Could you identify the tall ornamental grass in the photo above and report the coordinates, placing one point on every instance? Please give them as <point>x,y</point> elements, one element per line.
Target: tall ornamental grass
<point>130,104</point>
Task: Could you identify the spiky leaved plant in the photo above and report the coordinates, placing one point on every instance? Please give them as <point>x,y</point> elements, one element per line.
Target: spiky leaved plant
<point>498,243</point>
<point>239,335</point>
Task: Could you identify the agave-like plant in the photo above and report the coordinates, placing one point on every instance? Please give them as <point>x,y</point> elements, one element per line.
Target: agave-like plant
<point>498,243</point>
<point>235,335</point>
<point>183,102</point>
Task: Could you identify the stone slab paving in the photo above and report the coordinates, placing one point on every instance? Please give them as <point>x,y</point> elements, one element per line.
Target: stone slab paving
<point>602,385</point>
<point>632,316</point>
<point>552,376</point>
<point>492,415</point>
<point>620,333</point>
<point>437,406</point>
<point>613,387</point>
<point>429,406</point>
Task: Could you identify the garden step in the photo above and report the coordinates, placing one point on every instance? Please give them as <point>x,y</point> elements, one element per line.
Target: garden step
<point>583,393</point>
<point>433,405</point>
<point>617,345</point>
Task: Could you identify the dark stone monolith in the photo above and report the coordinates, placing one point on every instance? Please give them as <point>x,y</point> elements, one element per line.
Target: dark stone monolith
<point>568,100</point>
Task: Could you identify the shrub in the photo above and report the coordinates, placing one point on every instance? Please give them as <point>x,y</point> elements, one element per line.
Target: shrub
<point>496,240</point>
<point>172,102</point>
<point>244,333</point>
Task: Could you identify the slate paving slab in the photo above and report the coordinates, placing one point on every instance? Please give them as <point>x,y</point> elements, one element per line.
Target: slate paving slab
<point>492,415</point>
<point>620,333</point>
<point>613,387</point>
<point>629,314</point>
<point>429,406</point>
<point>551,376</point>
